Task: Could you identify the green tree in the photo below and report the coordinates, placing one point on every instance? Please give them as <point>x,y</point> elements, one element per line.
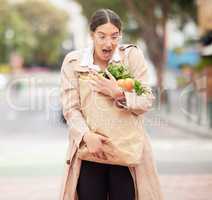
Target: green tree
<point>15,35</point>
<point>147,20</point>
<point>49,27</point>
<point>33,28</point>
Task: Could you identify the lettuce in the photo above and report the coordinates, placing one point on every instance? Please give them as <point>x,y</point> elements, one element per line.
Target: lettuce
<point>119,71</point>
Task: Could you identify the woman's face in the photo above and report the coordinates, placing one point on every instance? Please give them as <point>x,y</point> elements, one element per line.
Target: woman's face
<point>105,39</point>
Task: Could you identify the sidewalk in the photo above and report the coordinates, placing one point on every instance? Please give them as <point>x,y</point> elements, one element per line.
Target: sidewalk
<point>190,187</point>
<point>174,187</point>
<point>180,122</point>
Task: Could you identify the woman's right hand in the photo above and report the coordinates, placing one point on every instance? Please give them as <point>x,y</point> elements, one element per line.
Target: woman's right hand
<point>94,144</point>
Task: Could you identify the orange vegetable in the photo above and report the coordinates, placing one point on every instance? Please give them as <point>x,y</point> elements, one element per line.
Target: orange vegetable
<point>126,84</point>
<point>120,83</point>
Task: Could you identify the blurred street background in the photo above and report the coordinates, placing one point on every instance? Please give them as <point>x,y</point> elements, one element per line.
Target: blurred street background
<point>176,38</point>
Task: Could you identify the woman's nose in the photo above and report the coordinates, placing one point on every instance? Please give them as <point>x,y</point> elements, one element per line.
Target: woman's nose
<point>108,43</point>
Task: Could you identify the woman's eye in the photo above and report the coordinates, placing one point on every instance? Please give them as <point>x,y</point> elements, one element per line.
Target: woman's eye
<point>102,37</point>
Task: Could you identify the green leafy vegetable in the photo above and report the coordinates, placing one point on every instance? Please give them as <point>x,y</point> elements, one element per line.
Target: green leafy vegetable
<point>138,88</point>
<point>118,71</point>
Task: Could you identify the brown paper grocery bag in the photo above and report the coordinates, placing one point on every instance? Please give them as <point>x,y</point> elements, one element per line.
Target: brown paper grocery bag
<point>119,125</point>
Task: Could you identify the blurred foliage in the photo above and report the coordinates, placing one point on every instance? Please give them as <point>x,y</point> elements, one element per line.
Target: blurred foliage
<point>90,6</point>
<point>15,34</point>
<point>205,61</point>
<point>185,11</point>
<point>4,68</point>
<point>33,28</point>
<point>178,50</point>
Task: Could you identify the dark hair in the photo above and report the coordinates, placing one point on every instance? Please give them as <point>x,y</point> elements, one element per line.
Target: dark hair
<point>103,16</point>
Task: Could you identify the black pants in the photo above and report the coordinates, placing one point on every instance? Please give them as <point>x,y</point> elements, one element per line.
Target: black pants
<point>97,180</point>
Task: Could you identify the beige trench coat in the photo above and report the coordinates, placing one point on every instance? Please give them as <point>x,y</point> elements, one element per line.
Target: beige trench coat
<point>145,175</point>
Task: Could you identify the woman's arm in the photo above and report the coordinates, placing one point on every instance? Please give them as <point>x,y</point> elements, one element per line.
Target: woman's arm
<point>69,96</point>
<point>130,100</point>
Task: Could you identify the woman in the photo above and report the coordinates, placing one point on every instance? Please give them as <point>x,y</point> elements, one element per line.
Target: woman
<point>85,180</point>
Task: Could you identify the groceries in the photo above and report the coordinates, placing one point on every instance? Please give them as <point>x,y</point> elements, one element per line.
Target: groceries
<point>124,78</point>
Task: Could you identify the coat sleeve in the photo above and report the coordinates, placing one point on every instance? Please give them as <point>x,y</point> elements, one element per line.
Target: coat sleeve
<point>70,100</point>
<point>138,67</point>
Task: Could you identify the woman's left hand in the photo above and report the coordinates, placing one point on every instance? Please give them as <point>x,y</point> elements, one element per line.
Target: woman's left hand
<point>105,86</point>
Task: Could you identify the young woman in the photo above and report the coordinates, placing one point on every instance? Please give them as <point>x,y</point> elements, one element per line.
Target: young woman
<point>86,180</point>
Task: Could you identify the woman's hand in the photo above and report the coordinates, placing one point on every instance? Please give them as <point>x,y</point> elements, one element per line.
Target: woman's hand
<point>94,144</point>
<point>105,86</point>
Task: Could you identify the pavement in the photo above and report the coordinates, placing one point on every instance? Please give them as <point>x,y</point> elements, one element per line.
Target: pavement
<point>189,187</point>
<point>174,187</point>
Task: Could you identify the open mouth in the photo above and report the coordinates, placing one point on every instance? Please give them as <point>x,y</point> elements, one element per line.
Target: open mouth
<point>107,52</point>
